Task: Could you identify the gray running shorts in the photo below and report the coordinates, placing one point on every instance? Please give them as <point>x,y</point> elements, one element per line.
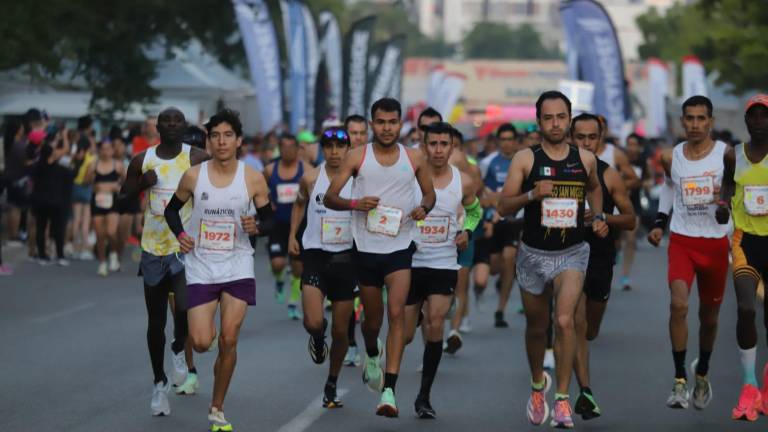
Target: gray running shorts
<point>155,268</point>
<point>537,267</point>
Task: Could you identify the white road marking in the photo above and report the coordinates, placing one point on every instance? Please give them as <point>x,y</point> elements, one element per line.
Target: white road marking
<point>50,317</point>
<point>311,413</point>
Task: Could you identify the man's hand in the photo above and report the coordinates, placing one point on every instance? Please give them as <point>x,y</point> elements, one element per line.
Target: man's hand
<point>148,179</point>
<point>366,203</point>
<point>462,240</point>
<point>600,228</point>
<point>543,189</point>
<point>186,243</point>
<point>588,216</point>
<point>249,224</point>
<point>654,237</point>
<point>722,214</point>
<point>293,246</point>
<point>418,213</point>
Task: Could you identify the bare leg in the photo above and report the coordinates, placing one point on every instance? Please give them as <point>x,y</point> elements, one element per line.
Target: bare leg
<point>568,290</point>
<point>232,316</point>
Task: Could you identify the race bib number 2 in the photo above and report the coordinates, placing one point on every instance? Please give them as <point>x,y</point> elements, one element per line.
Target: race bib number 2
<point>698,190</point>
<point>336,230</point>
<point>158,200</point>
<point>384,220</point>
<point>756,200</point>
<point>217,235</point>
<point>559,212</point>
<point>434,229</point>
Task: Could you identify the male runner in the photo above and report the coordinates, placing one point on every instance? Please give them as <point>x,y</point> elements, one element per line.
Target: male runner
<point>218,252</point>
<point>745,187</point>
<point>384,172</point>
<point>326,251</point>
<point>551,181</point>
<point>158,170</point>
<point>283,177</point>
<point>640,165</point>
<point>698,245</point>
<point>587,132</point>
<point>425,119</point>
<point>435,266</point>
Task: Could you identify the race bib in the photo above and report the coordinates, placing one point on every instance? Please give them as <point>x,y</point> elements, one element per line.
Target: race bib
<point>287,193</point>
<point>216,235</point>
<point>697,190</point>
<point>104,200</point>
<point>336,230</point>
<point>756,200</point>
<point>384,220</point>
<point>559,212</point>
<point>434,229</point>
<point>158,200</point>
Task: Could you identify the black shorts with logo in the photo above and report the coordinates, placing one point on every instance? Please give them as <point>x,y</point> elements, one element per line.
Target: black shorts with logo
<point>277,246</point>
<point>372,268</point>
<point>505,234</point>
<point>598,279</point>
<point>331,272</point>
<point>427,281</point>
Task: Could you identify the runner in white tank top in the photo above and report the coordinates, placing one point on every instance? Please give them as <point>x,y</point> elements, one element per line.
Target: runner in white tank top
<point>326,252</point>
<point>382,221</point>
<point>219,253</point>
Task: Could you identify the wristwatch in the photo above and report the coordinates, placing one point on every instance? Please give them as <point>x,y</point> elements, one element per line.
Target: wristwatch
<point>600,216</point>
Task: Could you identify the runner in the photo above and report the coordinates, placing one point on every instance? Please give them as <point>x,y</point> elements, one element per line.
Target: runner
<point>587,132</point>
<point>551,180</point>
<point>384,172</point>
<point>435,266</point>
<point>425,119</point>
<point>326,251</point>
<point>635,147</point>
<point>745,187</point>
<point>283,177</point>
<point>698,245</point>
<point>219,255</point>
<point>158,171</point>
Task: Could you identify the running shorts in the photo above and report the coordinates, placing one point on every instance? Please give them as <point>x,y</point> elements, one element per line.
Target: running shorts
<point>154,269</point>
<point>426,282</point>
<point>597,281</point>
<point>333,273</point>
<point>372,268</point>
<point>277,246</point>
<point>537,267</point>
<point>750,255</point>
<point>704,258</point>
<point>505,234</point>
<point>200,294</point>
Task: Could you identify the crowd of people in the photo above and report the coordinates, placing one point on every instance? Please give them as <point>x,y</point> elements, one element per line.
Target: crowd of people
<point>401,225</point>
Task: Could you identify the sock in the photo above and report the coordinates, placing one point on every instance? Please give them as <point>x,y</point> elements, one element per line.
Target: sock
<point>433,352</point>
<point>702,367</point>
<point>748,358</point>
<point>193,370</point>
<point>390,380</point>
<point>332,380</point>
<point>295,289</point>
<point>538,386</point>
<point>561,396</point>
<point>679,358</point>
<point>586,390</point>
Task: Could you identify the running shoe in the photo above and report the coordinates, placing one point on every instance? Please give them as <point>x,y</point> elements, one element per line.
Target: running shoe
<point>103,270</point>
<point>189,387</point>
<point>387,406</point>
<point>293,312</point>
<point>114,262</point>
<point>465,326</point>
<point>180,369</point>
<point>44,261</point>
<point>765,390</point>
<point>549,359</point>
<point>562,415</point>
<point>6,270</point>
<point>373,376</point>
<point>62,262</point>
<point>680,395</point>
<point>499,320</point>
<point>625,284</point>
<point>537,408</point>
<point>353,357</point>
<point>318,348</point>
<point>424,409</point>
<point>217,421</point>
<point>160,405</point>
<point>702,391</point>
<point>586,406</point>
<point>87,255</point>
<point>279,294</point>
<point>330,398</point>
<point>453,343</point>
<point>750,404</point>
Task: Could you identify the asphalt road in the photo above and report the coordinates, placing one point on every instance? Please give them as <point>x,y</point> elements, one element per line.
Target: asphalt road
<point>74,358</point>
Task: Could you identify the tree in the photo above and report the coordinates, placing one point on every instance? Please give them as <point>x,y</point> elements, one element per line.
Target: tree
<point>490,40</point>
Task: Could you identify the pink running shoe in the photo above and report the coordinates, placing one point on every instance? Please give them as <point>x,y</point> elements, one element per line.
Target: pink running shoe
<point>750,402</point>
<point>562,417</point>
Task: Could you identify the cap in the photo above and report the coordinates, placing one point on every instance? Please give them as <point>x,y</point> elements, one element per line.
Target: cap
<point>306,136</point>
<point>759,99</point>
<point>36,136</point>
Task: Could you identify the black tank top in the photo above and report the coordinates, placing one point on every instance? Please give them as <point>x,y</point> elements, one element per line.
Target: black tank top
<point>603,248</point>
<point>109,177</point>
<point>570,179</point>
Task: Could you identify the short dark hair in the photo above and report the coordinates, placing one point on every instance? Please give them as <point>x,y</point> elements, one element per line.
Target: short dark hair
<point>438,128</point>
<point>336,134</point>
<point>287,137</point>
<point>387,105</point>
<point>552,94</point>
<point>638,137</point>
<point>115,133</point>
<point>429,112</point>
<point>698,100</point>
<point>84,122</point>
<point>354,118</point>
<point>506,127</point>
<point>455,133</point>
<point>587,117</point>
<point>231,117</point>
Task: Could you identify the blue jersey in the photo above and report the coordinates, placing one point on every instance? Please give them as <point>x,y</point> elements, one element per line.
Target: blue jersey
<point>283,193</point>
<point>497,172</point>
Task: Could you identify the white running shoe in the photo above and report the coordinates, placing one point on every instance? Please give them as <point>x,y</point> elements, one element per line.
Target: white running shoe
<point>180,370</point>
<point>102,271</point>
<point>114,262</point>
<point>465,326</point>
<point>352,358</point>
<point>87,255</point>
<point>549,359</point>
<point>160,405</point>
<point>61,262</point>
<point>218,422</point>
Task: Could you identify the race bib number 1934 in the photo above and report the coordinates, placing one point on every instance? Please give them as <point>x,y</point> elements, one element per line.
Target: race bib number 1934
<point>434,229</point>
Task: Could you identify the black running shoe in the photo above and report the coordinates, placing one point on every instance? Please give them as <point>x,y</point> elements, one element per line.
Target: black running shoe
<point>318,348</point>
<point>586,406</point>
<point>499,320</point>
<point>330,399</point>
<point>424,409</point>
<point>453,343</point>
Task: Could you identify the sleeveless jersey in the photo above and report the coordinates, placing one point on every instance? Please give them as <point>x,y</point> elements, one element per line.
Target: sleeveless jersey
<point>326,229</point>
<point>283,192</point>
<point>435,236</point>
<point>608,155</point>
<point>497,172</point>
<point>694,205</point>
<point>602,248</point>
<point>750,203</point>
<point>387,228</point>
<point>556,222</point>
<point>222,250</point>
<point>156,237</point>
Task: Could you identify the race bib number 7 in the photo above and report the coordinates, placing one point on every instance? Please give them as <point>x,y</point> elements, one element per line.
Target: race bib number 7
<point>756,200</point>
<point>697,190</point>
<point>434,229</point>
<point>384,220</point>
<point>158,200</point>
<point>559,212</point>
<point>219,236</point>
<point>336,230</point>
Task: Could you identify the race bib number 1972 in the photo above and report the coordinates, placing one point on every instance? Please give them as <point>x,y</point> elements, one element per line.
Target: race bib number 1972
<point>217,235</point>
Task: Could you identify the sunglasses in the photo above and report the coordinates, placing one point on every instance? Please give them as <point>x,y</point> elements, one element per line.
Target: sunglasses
<point>336,133</point>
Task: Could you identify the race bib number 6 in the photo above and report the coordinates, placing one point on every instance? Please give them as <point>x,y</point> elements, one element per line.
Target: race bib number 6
<point>697,190</point>
<point>217,235</point>
<point>756,200</point>
<point>336,230</point>
<point>434,229</point>
<point>384,220</point>
<point>158,200</point>
<point>559,212</point>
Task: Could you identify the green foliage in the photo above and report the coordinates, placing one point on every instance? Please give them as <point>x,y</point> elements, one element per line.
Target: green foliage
<point>490,40</point>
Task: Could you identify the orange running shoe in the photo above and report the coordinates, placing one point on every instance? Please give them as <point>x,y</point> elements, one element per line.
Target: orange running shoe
<point>750,403</point>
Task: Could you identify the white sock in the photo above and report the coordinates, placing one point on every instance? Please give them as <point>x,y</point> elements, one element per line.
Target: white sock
<point>748,358</point>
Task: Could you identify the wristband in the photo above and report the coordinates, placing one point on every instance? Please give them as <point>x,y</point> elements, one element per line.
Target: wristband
<point>661,221</point>
<point>530,195</point>
<point>723,203</point>
<point>182,235</point>
<point>352,204</point>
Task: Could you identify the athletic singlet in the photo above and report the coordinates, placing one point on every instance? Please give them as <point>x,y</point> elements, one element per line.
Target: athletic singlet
<point>156,237</point>
<point>750,203</point>
<point>608,155</point>
<point>387,228</point>
<point>283,192</point>
<point>556,222</point>
<point>602,247</point>
<point>694,182</point>
<point>497,172</point>
<point>435,236</point>
<point>326,229</point>
<point>222,250</point>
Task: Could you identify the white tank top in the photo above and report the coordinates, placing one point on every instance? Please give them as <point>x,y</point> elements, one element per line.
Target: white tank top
<point>328,230</point>
<point>435,237</point>
<point>608,155</point>
<point>388,228</point>
<point>222,250</point>
<point>693,209</point>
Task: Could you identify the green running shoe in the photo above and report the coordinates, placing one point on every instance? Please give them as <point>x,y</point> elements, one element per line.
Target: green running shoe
<point>586,406</point>
<point>386,406</point>
<point>189,387</point>
<point>373,376</point>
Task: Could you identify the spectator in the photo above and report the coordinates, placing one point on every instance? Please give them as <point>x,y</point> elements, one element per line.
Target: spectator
<point>149,136</point>
<point>50,199</point>
<point>16,175</point>
<point>81,200</point>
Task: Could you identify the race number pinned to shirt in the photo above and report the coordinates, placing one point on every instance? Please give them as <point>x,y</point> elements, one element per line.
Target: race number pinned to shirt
<point>756,200</point>
<point>287,193</point>
<point>384,220</point>
<point>158,200</point>
<point>105,200</point>
<point>216,235</point>
<point>559,212</point>
<point>434,229</point>
<point>336,230</point>
<point>698,190</point>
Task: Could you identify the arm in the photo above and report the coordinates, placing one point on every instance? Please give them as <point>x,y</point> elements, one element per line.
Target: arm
<point>135,181</point>
<point>631,181</point>
<point>90,174</point>
<point>472,212</point>
<point>728,188</point>
<point>424,178</point>
<point>512,199</point>
<point>626,220</point>
<point>332,199</point>
<point>594,191</point>
<point>257,186</point>
<point>297,212</point>
<point>172,216</point>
